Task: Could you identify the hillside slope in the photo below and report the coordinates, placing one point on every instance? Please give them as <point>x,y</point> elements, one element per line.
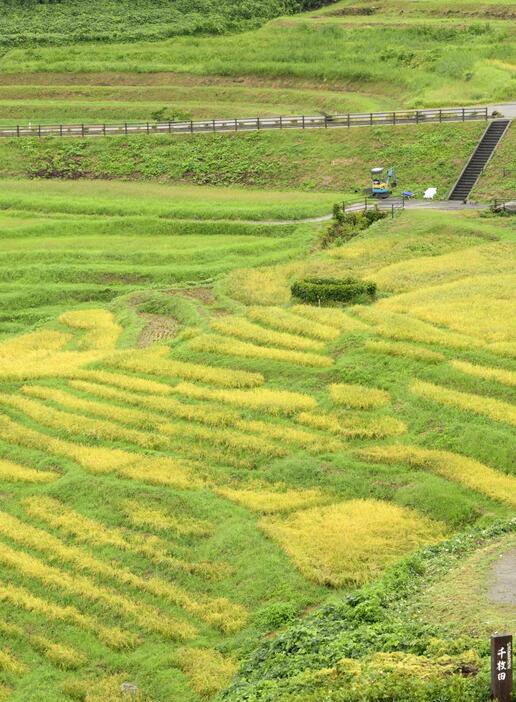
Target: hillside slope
<point>179,467</point>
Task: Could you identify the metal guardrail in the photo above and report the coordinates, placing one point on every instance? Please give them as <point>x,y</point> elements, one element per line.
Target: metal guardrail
<point>364,119</point>
<point>391,205</point>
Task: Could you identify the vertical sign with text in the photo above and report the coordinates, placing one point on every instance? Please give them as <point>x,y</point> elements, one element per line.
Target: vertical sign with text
<point>501,667</point>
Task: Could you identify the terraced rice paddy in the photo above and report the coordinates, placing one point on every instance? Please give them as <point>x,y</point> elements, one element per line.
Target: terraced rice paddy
<point>176,502</point>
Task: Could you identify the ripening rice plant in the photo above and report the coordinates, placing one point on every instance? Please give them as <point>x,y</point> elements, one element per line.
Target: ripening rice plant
<point>38,354</point>
<point>331,317</point>
<point>354,426</point>
<point>24,599</point>
<point>223,437</point>
<point>53,578</point>
<point>80,425</point>
<point>480,306</point>
<point>405,350</point>
<point>206,608</point>
<point>350,542</point>
<point>243,329</point>
<point>58,654</point>
<point>479,404</point>
<point>102,331</point>
<point>260,286</point>
<point>126,382</point>
<point>503,348</point>
<point>453,466</point>
<point>274,401</point>
<point>211,416</point>
<point>501,375</point>
<point>104,688</point>
<point>270,498</point>
<point>403,327</point>
<point>90,531</point>
<point>426,271</point>
<point>158,470</point>
<point>154,364</point>
<point>62,656</point>
<point>207,670</point>
<point>358,396</point>
<point>166,405</point>
<point>10,664</point>
<point>284,320</point>
<point>230,347</point>
<point>15,473</point>
<point>142,515</point>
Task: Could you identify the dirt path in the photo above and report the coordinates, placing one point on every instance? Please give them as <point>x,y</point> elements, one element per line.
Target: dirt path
<point>503,574</point>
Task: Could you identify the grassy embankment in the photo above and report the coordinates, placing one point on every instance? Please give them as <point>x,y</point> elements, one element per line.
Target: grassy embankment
<point>199,489</point>
<point>335,160</point>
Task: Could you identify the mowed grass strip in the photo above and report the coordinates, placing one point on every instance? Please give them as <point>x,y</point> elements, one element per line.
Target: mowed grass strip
<point>358,396</point>
<point>284,320</point>
<point>350,542</point>
<point>501,375</point>
<point>231,347</point>
<point>219,612</point>
<point>22,598</point>
<point>453,466</point>
<point>479,404</point>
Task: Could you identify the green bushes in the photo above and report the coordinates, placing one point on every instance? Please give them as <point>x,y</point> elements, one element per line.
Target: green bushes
<point>317,291</point>
<point>346,225</point>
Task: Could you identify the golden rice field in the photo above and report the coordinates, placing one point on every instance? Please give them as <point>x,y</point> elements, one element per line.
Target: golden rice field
<point>166,506</point>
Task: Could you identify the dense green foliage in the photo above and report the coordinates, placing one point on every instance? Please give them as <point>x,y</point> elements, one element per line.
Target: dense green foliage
<point>317,291</point>
<point>34,23</point>
<point>313,659</point>
<point>346,225</point>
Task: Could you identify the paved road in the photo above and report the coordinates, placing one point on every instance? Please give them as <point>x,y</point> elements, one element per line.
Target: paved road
<point>440,205</point>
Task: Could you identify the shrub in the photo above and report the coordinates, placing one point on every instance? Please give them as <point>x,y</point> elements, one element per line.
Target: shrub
<point>346,225</point>
<point>321,290</point>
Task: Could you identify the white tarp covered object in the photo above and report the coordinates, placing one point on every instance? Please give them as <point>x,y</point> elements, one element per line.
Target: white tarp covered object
<point>430,193</point>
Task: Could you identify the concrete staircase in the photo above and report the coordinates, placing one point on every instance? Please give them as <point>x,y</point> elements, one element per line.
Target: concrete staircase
<point>478,160</point>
